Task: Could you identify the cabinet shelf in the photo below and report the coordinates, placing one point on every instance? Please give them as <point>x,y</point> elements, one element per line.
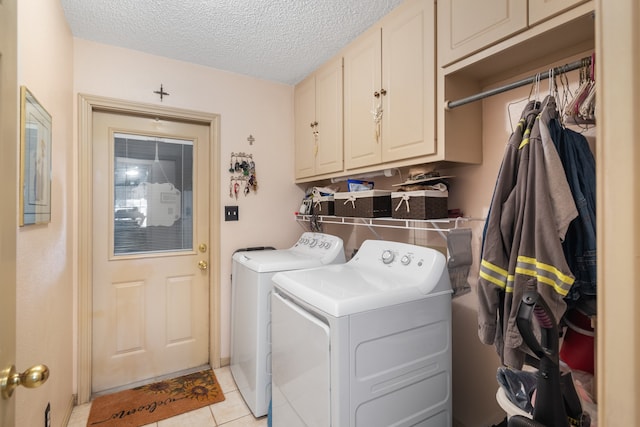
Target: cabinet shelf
<point>440,225</point>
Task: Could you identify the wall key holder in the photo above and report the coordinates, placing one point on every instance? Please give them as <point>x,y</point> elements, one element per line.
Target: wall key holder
<point>245,180</point>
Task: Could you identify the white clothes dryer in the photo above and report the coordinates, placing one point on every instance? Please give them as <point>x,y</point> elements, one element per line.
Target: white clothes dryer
<point>251,287</point>
<point>366,343</point>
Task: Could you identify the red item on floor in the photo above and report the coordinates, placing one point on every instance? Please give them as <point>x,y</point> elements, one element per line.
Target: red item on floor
<point>577,349</point>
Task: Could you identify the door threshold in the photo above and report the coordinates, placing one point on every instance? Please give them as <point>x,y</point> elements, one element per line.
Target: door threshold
<point>150,381</point>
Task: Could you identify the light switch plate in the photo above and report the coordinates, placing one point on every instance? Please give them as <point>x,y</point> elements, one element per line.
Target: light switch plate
<point>230,213</point>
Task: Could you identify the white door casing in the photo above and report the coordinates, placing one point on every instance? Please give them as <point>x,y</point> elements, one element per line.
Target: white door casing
<point>126,288</point>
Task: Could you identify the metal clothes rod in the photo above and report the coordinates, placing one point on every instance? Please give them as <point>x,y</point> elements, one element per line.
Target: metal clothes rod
<point>563,69</point>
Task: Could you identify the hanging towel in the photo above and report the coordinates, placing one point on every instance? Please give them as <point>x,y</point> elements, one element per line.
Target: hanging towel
<point>460,259</point>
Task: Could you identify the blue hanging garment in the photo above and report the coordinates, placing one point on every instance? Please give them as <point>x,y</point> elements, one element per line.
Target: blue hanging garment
<point>579,245</point>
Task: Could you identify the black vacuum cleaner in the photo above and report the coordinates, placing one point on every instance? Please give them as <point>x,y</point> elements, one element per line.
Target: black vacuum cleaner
<point>557,403</point>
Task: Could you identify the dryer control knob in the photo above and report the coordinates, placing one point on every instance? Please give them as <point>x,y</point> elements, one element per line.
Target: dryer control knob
<point>387,257</point>
<point>313,243</point>
<point>405,260</point>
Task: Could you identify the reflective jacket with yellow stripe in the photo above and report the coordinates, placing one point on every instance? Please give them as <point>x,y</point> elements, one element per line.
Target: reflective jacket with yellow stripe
<point>530,211</point>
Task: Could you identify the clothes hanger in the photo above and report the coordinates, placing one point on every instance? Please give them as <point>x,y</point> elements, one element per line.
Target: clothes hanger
<point>552,87</point>
<point>580,110</point>
<point>563,100</point>
<point>572,109</point>
<point>534,90</point>
<point>587,108</point>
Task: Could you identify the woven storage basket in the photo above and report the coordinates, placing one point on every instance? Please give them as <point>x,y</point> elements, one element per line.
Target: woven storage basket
<point>421,204</point>
<point>364,204</point>
<point>323,205</point>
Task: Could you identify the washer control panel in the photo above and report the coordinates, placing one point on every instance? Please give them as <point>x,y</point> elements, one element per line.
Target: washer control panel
<point>318,241</point>
<point>404,256</point>
<point>398,259</point>
<point>401,265</point>
<point>320,244</point>
<point>401,258</point>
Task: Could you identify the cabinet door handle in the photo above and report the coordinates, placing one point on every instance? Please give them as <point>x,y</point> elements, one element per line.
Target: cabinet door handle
<point>382,92</point>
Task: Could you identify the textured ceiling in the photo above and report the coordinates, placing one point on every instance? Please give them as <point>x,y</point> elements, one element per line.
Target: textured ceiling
<point>277,40</point>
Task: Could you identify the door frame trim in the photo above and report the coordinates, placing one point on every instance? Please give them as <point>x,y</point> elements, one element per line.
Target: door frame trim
<point>87,105</point>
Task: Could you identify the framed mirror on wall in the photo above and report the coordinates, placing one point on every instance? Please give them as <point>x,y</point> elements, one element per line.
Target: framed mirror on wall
<point>35,160</point>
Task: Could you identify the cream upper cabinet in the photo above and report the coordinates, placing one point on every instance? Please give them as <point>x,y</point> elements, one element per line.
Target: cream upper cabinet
<point>468,26</point>
<point>540,10</point>
<point>362,78</point>
<point>389,84</point>
<point>318,121</point>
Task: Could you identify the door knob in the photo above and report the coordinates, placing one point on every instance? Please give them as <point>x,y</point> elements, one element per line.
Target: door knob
<point>203,265</point>
<point>33,377</point>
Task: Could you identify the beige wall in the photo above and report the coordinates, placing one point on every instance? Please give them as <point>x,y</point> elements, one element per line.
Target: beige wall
<point>44,263</point>
<point>246,106</point>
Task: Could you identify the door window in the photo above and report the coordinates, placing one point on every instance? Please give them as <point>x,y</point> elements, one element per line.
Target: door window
<point>152,194</point>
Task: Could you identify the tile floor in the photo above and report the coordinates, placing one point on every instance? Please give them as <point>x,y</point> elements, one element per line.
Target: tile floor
<point>232,412</point>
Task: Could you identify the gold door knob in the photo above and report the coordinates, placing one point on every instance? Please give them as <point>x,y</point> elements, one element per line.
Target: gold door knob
<point>203,265</point>
<point>33,377</point>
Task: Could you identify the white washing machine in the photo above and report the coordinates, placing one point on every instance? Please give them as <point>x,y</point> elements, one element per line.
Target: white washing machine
<point>366,343</point>
<point>251,287</point>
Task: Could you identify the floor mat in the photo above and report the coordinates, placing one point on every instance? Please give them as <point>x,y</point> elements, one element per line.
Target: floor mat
<point>154,402</point>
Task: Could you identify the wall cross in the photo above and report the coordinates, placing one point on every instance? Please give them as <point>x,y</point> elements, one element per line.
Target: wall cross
<point>161,92</point>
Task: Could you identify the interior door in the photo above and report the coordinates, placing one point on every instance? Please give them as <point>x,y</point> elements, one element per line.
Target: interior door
<point>8,209</point>
<point>150,248</point>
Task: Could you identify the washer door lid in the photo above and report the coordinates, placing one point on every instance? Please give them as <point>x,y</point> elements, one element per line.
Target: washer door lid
<point>341,290</point>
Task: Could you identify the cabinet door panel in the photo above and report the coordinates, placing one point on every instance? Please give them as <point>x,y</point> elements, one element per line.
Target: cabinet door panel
<point>467,26</point>
<point>540,10</point>
<point>304,111</point>
<point>362,77</point>
<point>329,117</point>
<point>408,59</point>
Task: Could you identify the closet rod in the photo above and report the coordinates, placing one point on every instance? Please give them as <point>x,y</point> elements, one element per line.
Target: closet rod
<point>563,69</point>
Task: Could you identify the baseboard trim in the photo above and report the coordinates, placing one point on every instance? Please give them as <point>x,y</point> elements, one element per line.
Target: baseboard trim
<point>67,414</point>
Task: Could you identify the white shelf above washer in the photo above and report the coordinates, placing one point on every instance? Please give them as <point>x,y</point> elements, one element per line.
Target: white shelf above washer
<point>439,225</point>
